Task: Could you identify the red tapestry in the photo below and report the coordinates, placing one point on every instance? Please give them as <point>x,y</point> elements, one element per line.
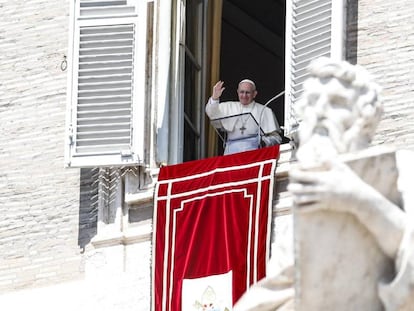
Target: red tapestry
<point>211,230</point>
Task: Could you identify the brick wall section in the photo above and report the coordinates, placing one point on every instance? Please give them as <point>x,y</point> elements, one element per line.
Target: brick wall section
<point>39,198</point>
<point>385,46</point>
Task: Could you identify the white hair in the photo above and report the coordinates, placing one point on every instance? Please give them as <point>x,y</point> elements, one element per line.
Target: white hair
<point>248,81</point>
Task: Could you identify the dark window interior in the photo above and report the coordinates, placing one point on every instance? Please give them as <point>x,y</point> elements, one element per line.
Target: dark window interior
<point>253,47</point>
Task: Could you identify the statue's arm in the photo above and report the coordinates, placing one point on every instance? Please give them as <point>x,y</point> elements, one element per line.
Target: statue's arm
<point>338,188</point>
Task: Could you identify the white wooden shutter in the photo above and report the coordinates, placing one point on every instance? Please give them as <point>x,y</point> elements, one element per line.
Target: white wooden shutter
<point>314,28</point>
<point>106,122</point>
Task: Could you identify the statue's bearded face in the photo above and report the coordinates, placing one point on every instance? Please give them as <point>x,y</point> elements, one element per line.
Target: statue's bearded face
<point>328,112</point>
<point>330,108</point>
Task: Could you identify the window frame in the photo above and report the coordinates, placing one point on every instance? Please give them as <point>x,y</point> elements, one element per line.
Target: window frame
<point>177,114</point>
<point>134,156</point>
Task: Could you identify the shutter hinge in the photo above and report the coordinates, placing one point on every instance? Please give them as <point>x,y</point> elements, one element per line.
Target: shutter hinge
<point>70,135</point>
<point>126,153</point>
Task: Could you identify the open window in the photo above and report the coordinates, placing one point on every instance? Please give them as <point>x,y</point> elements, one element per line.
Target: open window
<point>252,46</point>
<point>268,41</point>
<point>272,42</point>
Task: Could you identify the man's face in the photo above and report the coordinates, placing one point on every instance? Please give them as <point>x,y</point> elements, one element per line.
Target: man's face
<point>246,93</point>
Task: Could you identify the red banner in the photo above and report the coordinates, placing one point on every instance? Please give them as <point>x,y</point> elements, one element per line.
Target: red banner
<point>211,230</point>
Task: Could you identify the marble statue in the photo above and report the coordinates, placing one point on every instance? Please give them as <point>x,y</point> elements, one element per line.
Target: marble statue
<point>353,222</point>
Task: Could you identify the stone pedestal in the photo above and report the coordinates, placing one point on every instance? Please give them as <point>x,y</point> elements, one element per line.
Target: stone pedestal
<point>338,262</point>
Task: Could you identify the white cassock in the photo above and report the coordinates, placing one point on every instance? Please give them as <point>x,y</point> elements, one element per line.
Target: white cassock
<point>243,131</point>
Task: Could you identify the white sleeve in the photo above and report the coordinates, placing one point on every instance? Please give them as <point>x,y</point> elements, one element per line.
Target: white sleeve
<point>272,139</point>
<point>269,122</point>
<point>213,108</point>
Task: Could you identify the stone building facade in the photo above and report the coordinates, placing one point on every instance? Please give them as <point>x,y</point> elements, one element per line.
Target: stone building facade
<point>80,238</point>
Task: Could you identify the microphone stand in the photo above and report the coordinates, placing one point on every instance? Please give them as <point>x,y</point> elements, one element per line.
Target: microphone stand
<point>261,113</point>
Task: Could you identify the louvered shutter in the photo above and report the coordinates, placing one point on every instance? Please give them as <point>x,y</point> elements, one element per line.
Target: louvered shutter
<point>107,85</point>
<point>314,28</point>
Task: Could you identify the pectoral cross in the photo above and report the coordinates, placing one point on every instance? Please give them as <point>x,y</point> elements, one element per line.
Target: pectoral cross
<point>242,129</point>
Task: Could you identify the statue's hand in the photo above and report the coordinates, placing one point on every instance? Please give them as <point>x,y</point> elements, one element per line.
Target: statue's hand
<point>334,187</point>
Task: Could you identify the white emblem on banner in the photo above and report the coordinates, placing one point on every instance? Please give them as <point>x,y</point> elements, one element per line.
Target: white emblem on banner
<point>210,293</point>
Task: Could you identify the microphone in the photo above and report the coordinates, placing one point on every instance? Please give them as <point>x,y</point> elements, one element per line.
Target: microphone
<point>263,109</point>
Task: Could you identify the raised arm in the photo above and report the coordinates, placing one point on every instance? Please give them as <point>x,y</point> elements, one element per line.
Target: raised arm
<point>212,107</point>
<point>218,89</point>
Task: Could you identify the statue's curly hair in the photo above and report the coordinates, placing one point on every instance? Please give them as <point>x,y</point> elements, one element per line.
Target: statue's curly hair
<point>368,107</point>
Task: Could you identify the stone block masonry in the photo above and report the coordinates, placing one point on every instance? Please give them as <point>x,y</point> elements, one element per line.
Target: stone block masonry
<point>385,46</point>
<point>39,198</point>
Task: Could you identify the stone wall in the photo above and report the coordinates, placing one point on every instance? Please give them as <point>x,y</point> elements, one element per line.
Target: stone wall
<point>49,213</point>
<point>116,278</point>
<point>384,40</point>
<point>39,198</point>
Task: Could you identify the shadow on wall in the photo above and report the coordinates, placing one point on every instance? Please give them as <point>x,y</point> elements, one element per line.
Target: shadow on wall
<point>351,47</point>
<point>88,206</point>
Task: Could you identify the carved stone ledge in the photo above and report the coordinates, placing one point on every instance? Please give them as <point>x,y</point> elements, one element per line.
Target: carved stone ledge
<point>140,197</point>
<point>109,238</point>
